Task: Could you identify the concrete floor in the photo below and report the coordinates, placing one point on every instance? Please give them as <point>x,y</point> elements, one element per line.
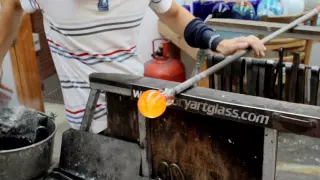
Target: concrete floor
<point>62,125</point>
<point>298,156</point>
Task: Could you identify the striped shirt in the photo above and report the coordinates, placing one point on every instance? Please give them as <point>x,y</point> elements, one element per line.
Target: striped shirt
<point>87,36</point>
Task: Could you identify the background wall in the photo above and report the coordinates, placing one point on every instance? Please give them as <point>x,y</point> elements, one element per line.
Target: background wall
<point>149,31</point>
<point>8,80</point>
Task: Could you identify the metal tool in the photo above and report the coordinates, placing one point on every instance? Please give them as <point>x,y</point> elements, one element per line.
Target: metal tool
<point>314,85</point>
<point>301,84</point>
<point>250,90</point>
<point>211,78</point>
<point>280,74</point>
<point>216,80</point>
<point>255,79</point>
<point>288,68</point>
<point>242,74</point>
<point>292,78</point>
<point>201,55</point>
<point>261,77</point>
<point>190,82</point>
<point>227,78</point>
<point>318,101</point>
<point>168,171</point>
<point>270,79</point>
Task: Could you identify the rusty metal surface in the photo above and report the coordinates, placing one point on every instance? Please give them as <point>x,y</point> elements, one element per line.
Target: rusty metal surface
<point>123,111</point>
<point>207,148</point>
<point>28,162</point>
<point>90,156</point>
<point>203,147</point>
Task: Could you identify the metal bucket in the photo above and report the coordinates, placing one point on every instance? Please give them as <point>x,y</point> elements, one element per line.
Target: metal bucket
<point>31,161</point>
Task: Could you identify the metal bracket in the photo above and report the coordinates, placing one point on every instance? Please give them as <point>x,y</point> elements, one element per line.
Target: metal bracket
<point>201,56</point>
<point>90,110</point>
<point>299,122</point>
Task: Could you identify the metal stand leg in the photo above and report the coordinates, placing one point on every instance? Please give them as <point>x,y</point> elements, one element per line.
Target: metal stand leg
<point>270,154</point>
<point>90,110</point>
<point>145,146</point>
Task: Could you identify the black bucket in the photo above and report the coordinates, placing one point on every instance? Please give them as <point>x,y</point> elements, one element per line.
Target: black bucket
<point>10,143</point>
<point>25,158</point>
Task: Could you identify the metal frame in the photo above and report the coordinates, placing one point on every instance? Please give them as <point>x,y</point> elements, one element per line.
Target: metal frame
<point>271,114</point>
<point>276,113</point>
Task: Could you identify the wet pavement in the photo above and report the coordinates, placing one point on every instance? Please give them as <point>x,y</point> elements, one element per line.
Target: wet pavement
<point>298,158</point>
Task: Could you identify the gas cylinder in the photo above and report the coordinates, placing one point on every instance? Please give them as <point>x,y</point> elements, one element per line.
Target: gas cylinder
<point>162,66</point>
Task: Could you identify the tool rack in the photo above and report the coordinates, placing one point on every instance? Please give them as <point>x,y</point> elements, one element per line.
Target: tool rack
<point>258,77</point>
<point>244,27</point>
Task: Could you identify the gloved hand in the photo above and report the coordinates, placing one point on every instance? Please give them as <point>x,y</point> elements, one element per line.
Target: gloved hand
<point>230,46</point>
<point>4,98</point>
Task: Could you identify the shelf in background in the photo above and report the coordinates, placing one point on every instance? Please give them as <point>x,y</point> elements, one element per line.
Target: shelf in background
<point>254,27</point>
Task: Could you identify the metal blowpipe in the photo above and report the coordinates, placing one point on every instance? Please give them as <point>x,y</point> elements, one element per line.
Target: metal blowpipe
<point>195,79</point>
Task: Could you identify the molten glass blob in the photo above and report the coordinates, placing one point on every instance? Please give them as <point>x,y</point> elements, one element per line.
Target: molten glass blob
<point>152,104</point>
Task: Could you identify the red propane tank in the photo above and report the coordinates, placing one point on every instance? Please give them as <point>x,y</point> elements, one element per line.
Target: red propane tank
<point>162,66</point>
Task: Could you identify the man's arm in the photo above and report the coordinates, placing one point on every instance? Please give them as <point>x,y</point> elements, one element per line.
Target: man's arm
<point>177,18</point>
<point>10,18</point>
<point>185,24</point>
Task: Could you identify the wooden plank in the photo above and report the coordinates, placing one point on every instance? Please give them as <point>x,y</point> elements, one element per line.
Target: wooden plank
<point>310,42</point>
<point>265,28</point>
<point>288,19</point>
<point>44,57</point>
<point>16,75</point>
<point>25,67</point>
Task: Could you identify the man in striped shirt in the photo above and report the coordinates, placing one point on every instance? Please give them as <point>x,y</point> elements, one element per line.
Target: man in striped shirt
<point>87,36</point>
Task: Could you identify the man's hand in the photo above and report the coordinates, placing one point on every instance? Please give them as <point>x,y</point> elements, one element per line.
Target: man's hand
<point>230,46</point>
<point>4,98</point>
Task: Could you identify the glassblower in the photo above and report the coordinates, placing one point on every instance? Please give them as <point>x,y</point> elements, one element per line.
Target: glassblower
<point>153,103</point>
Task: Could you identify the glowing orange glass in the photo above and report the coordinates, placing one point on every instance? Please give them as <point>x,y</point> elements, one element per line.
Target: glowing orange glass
<point>152,104</point>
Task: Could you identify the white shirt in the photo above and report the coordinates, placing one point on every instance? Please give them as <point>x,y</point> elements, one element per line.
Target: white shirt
<point>84,40</point>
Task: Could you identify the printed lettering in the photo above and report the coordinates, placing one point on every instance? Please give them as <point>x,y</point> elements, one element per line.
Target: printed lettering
<point>193,105</point>
<point>204,106</point>
<point>216,109</point>
<point>137,93</point>
<point>228,112</point>
<point>221,111</point>
<point>235,113</point>
<point>262,119</point>
<point>251,117</point>
<point>211,109</point>
<point>198,107</point>
<point>188,104</point>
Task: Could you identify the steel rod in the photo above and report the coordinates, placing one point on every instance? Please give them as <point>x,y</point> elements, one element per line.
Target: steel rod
<point>195,79</point>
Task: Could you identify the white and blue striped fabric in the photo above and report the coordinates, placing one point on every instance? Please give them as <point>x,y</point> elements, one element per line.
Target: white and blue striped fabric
<point>83,39</point>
